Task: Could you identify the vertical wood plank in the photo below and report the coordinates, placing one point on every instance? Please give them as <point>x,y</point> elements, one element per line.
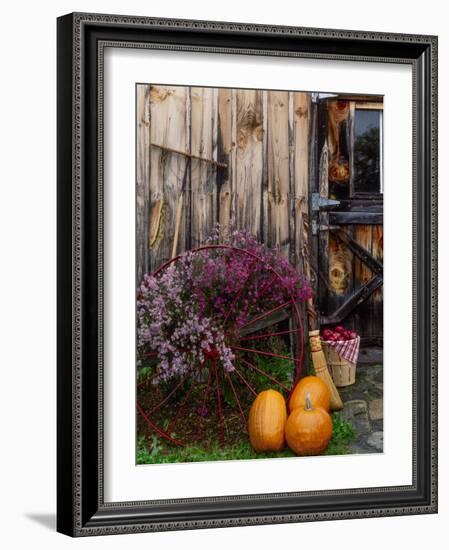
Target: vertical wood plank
<point>203,174</point>
<point>341,277</point>
<point>301,111</point>
<point>168,128</point>
<point>377,250</point>
<point>233,157</point>
<point>293,255</point>
<point>226,142</point>
<point>312,240</point>
<point>363,236</point>
<point>338,142</point>
<point>214,116</point>
<point>142,179</point>
<point>187,210</point>
<point>264,221</point>
<point>249,169</point>
<point>278,172</point>
<point>377,297</point>
<point>322,217</point>
<point>350,140</point>
<point>362,274</point>
<point>299,167</point>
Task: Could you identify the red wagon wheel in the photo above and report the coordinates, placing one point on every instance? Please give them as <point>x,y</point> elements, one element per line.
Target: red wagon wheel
<point>183,408</point>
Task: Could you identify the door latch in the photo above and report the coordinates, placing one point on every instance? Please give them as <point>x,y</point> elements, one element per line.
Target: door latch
<point>316,227</point>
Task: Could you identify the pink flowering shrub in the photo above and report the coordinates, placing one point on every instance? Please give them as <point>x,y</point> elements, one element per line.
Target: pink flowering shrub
<point>192,310</point>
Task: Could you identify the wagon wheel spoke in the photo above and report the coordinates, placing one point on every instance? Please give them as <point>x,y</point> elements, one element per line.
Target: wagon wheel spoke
<point>167,397</point>
<point>206,393</point>
<point>155,427</point>
<point>244,380</point>
<point>266,315</point>
<point>173,421</point>
<point>219,406</point>
<point>295,362</point>
<point>234,391</point>
<point>266,353</point>
<point>269,335</point>
<point>149,354</point>
<point>147,381</point>
<point>263,373</point>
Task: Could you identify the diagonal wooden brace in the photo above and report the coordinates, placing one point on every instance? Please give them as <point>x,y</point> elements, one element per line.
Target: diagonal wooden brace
<point>364,256</point>
<point>356,298</point>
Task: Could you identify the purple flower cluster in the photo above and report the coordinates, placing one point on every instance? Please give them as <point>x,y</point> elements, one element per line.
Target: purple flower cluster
<point>170,322</point>
<point>188,312</point>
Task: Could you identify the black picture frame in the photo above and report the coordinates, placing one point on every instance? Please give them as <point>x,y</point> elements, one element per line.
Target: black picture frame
<point>81,509</point>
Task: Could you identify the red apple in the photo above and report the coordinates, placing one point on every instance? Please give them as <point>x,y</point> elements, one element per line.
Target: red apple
<point>340,329</point>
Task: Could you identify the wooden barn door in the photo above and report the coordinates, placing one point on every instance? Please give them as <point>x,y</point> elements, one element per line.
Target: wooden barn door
<point>347,214</point>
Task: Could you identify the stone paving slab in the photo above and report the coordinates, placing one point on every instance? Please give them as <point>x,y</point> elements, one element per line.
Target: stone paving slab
<point>376,440</point>
<point>363,407</point>
<point>376,409</point>
<point>356,412</point>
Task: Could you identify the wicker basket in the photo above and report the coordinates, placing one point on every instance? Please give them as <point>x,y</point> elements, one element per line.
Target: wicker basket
<point>341,370</point>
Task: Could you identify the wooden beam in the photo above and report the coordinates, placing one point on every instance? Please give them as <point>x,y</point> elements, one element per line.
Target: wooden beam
<point>373,205</point>
<point>350,218</point>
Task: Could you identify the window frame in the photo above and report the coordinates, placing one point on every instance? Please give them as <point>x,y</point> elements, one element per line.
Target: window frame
<point>375,105</point>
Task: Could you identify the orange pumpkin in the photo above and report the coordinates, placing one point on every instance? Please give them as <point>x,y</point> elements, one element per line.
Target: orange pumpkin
<point>308,429</point>
<point>266,423</point>
<point>319,393</point>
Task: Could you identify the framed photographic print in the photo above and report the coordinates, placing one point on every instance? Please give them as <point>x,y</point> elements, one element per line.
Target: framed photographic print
<point>246,274</point>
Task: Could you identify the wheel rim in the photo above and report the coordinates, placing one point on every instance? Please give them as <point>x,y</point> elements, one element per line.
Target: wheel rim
<point>203,391</point>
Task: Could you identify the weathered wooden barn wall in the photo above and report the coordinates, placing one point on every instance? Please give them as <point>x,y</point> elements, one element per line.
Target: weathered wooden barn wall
<point>209,155</point>
<point>246,160</point>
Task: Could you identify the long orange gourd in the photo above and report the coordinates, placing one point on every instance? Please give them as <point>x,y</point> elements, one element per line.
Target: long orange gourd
<point>266,423</point>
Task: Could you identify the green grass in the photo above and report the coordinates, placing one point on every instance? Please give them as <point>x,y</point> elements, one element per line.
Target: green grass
<point>242,451</point>
<point>343,434</point>
<point>157,451</point>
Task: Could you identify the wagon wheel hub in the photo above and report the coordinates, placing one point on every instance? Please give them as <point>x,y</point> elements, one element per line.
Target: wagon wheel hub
<point>212,353</point>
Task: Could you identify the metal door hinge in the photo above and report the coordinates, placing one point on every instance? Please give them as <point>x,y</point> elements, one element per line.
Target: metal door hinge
<point>317,96</point>
<point>321,203</point>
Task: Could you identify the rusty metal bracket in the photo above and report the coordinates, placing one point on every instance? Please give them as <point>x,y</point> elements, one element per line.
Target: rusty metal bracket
<point>321,227</point>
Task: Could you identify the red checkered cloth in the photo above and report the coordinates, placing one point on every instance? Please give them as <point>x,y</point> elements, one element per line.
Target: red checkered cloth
<point>348,349</point>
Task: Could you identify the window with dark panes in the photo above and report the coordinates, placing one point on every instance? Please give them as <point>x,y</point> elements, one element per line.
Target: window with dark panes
<point>367,152</point>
